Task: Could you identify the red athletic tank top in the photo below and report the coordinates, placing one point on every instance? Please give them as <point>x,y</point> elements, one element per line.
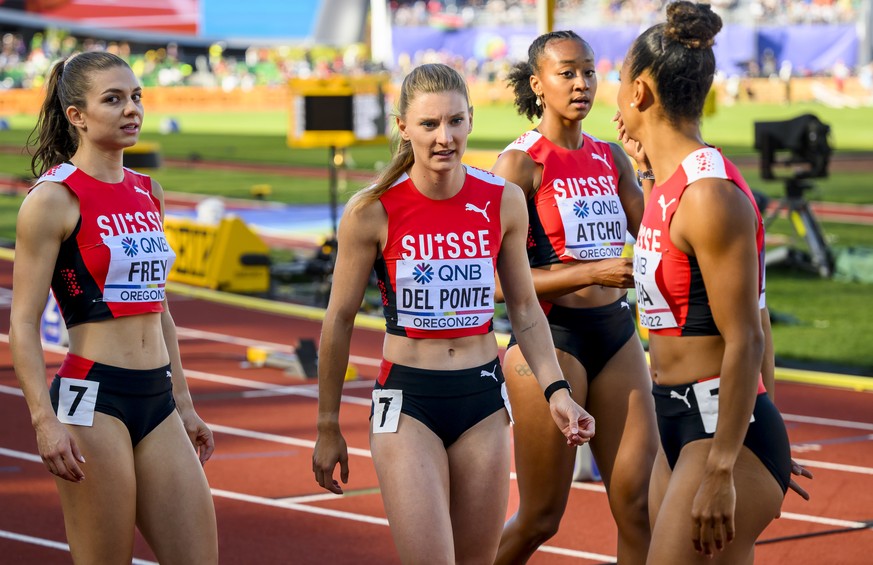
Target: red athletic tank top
<point>117,259</point>
<point>576,214</point>
<point>436,273</point>
<point>671,296</point>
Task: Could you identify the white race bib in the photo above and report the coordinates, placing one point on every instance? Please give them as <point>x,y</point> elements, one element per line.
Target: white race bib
<point>594,226</point>
<point>434,294</point>
<point>138,267</point>
<point>654,310</point>
<point>76,401</point>
<point>706,394</point>
<point>386,410</point>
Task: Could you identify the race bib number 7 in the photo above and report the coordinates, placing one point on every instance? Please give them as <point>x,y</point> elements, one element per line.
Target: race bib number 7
<point>386,410</point>
<point>706,393</point>
<point>76,401</point>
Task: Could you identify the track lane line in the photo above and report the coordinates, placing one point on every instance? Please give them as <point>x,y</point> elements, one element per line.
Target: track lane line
<point>42,542</point>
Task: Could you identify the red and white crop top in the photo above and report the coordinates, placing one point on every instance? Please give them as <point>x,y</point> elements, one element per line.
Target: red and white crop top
<point>436,272</point>
<point>576,214</point>
<point>671,297</point>
<point>117,259</point>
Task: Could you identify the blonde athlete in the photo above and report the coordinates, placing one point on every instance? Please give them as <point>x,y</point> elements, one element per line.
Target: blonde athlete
<point>436,231</point>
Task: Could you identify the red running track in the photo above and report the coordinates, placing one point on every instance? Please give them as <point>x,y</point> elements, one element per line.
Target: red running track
<point>271,511</point>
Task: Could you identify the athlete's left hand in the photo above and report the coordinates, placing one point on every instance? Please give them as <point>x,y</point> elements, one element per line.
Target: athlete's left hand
<point>712,513</point>
<point>199,434</point>
<point>800,471</point>
<point>575,422</point>
<point>631,146</point>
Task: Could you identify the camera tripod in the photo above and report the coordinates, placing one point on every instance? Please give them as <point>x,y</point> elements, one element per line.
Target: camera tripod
<point>819,257</point>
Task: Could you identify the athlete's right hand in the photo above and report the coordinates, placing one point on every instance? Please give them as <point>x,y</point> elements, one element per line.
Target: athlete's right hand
<point>59,451</point>
<point>330,449</point>
<point>617,272</point>
<point>575,423</point>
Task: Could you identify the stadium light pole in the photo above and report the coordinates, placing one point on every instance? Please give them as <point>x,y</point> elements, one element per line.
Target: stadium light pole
<point>381,49</point>
<point>545,16</point>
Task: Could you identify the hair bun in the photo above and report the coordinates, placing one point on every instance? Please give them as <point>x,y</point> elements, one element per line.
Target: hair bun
<point>692,25</point>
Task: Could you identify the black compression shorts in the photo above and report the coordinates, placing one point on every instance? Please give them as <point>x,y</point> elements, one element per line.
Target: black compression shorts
<point>141,399</point>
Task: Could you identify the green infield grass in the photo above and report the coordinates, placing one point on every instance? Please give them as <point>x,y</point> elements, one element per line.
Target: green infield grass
<point>816,320</point>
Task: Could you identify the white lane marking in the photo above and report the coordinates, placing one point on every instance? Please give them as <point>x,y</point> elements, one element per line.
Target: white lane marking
<point>825,521</point>
<point>192,333</point>
<point>299,507</point>
<point>827,422</point>
<point>275,438</point>
<point>271,388</point>
<point>835,466</point>
<point>20,455</point>
<point>14,391</point>
<point>42,542</point>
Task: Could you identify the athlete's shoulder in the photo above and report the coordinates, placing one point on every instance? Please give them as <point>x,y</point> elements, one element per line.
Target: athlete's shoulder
<point>706,162</point>
<point>58,173</point>
<point>485,176</point>
<point>525,141</point>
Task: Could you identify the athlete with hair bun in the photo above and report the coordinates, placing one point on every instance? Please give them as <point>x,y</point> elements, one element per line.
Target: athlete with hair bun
<point>724,463</point>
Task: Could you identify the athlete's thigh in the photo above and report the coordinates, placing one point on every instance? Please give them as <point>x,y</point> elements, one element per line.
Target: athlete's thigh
<point>661,473</point>
<point>174,505</point>
<point>413,471</point>
<point>758,499</point>
<point>620,399</point>
<point>479,479</point>
<point>543,460</point>
<point>100,512</point>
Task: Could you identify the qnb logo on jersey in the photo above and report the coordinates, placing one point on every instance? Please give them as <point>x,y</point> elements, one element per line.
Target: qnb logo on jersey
<point>599,157</point>
<point>581,209</point>
<point>470,207</point>
<point>422,273</point>
<point>130,247</point>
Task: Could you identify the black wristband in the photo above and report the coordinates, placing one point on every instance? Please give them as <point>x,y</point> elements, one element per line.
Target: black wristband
<point>555,387</point>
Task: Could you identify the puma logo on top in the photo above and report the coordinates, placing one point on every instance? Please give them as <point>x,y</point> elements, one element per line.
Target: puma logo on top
<point>141,191</point>
<point>683,398</point>
<point>492,373</point>
<point>600,157</point>
<point>664,205</point>
<point>470,207</point>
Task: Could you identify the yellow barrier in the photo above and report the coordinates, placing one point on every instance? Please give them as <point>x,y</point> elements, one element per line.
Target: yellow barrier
<point>228,256</point>
<point>480,158</point>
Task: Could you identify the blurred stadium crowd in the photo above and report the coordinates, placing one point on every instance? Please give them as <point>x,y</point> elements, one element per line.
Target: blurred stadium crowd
<point>25,58</point>
<point>464,13</point>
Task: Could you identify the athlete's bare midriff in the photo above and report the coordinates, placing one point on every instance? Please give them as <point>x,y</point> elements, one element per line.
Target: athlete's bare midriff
<point>132,342</point>
<point>677,360</point>
<point>440,354</point>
